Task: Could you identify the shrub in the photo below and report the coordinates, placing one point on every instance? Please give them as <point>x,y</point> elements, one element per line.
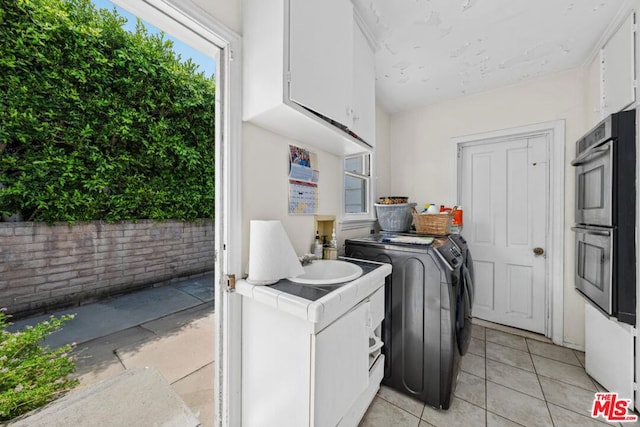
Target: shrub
<point>98,123</point>
<point>31,375</point>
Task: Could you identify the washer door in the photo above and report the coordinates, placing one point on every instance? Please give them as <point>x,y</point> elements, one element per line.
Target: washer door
<point>463,313</point>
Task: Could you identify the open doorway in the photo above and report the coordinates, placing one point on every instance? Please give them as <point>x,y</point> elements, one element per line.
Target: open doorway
<point>189,24</point>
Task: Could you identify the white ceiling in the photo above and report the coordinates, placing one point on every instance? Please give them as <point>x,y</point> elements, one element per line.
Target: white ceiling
<point>434,50</point>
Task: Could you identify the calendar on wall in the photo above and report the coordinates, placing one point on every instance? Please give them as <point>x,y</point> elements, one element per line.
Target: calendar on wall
<point>303,182</point>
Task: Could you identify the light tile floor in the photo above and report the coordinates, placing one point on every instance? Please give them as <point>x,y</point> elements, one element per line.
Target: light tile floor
<point>505,380</point>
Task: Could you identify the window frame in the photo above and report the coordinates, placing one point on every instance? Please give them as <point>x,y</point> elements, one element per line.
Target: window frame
<point>361,219</point>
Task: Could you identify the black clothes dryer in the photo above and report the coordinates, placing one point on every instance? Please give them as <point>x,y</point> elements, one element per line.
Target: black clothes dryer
<point>465,294</point>
<point>422,352</point>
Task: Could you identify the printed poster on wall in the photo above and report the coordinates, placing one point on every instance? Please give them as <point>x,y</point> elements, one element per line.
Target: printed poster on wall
<point>303,182</point>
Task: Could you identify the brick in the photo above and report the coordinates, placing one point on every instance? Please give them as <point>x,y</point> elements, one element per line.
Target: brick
<point>144,277</point>
<point>155,267</point>
<point>105,256</point>
<point>71,244</point>
<point>127,253</point>
<point>119,281</point>
<point>66,291</point>
<point>91,271</point>
<point>108,234</point>
<point>62,276</point>
<point>17,240</point>
<point>52,285</point>
<point>84,280</point>
<point>130,272</point>
<point>44,296</point>
<point>85,228</point>
<point>132,233</point>
<point>35,247</point>
<point>110,275</point>
<point>47,254</point>
<point>28,281</point>
<point>97,284</point>
<point>10,292</point>
<point>82,251</point>
<point>63,260</point>
<point>23,231</point>
<point>17,274</point>
<point>48,270</point>
<point>6,231</point>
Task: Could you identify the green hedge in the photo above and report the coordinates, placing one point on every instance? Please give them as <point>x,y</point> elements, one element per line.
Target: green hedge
<point>97,123</point>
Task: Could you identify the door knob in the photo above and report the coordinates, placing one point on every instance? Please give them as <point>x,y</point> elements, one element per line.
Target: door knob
<point>538,251</point>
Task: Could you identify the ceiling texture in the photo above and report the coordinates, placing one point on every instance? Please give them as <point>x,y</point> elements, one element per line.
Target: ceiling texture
<point>434,50</point>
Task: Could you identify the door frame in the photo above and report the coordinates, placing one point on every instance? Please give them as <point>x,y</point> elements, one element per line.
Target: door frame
<point>555,133</point>
<point>228,188</point>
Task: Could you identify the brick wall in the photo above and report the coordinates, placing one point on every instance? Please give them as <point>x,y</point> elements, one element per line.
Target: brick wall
<point>44,267</point>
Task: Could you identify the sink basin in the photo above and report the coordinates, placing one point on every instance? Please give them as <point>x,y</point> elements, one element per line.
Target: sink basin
<point>328,272</point>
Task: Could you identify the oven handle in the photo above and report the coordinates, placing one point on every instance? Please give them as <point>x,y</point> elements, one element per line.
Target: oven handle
<point>582,158</point>
<point>591,231</point>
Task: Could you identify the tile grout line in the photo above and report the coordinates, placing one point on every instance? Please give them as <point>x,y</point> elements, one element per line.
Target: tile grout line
<point>486,389</point>
<point>401,408</point>
<point>544,396</point>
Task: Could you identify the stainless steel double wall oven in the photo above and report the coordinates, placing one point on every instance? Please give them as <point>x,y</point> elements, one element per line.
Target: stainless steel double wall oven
<point>605,216</point>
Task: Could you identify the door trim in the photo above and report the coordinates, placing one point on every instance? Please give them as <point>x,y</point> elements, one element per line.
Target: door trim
<point>228,203</point>
<point>555,131</point>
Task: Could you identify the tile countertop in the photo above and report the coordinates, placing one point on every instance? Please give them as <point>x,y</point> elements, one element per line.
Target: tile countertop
<point>321,304</point>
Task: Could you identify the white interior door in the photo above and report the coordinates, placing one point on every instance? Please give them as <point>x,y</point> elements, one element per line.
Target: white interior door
<point>504,194</point>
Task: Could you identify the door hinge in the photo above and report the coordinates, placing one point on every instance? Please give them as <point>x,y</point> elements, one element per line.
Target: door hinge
<point>635,386</point>
<point>231,282</point>
<point>288,76</point>
<point>459,151</point>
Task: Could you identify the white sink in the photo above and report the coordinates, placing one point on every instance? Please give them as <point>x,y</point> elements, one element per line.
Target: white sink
<point>328,272</point>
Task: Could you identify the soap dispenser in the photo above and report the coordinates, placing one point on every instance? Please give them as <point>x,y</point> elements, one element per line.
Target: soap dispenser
<point>317,246</point>
<point>331,252</point>
<point>334,242</point>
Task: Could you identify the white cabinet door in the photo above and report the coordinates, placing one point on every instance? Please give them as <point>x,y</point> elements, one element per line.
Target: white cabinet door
<point>320,57</point>
<point>341,365</point>
<point>618,70</point>
<point>364,95</point>
<point>609,352</point>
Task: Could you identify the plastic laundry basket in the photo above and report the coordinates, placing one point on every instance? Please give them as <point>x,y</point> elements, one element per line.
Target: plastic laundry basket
<point>395,217</point>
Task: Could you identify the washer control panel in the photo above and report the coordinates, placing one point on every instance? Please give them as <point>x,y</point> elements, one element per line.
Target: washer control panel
<point>451,254</point>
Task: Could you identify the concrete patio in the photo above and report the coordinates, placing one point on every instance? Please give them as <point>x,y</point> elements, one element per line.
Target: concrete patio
<point>168,328</point>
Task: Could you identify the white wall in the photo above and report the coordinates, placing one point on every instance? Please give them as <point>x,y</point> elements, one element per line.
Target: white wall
<point>265,183</point>
<point>421,153</point>
<point>229,12</point>
<point>265,187</point>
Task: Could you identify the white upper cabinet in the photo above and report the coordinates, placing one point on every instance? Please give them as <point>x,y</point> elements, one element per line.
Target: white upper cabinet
<point>618,69</point>
<point>309,73</point>
<point>363,117</point>
<point>320,57</point>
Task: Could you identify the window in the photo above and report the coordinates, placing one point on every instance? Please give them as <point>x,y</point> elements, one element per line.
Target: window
<point>357,188</point>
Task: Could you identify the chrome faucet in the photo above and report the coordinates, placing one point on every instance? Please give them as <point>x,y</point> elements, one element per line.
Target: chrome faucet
<point>307,259</point>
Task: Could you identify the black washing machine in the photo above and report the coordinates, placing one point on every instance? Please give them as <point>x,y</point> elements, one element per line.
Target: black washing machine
<point>422,345</point>
<point>465,294</point>
<point>467,259</point>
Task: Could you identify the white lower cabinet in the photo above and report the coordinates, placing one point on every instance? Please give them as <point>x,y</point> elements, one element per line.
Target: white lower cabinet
<point>295,375</point>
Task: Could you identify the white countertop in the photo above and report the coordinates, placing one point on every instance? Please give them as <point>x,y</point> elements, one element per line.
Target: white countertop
<point>325,310</point>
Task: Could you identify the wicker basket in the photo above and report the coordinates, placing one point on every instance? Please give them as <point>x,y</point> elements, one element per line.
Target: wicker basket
<point>436,224</point>
<point>395,217</point>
